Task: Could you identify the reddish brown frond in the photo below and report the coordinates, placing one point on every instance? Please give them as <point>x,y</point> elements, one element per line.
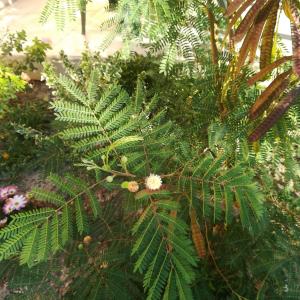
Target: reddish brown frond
<point>262,73</point>
<point>252,36</point>
<point>268,36</point>
<point>296,48</point>
<point>234,5</point>
<point>275,115</point>
<point>237,15</point>
<point>259,23</point>
<point>197,236</point>
<point>273,97</point>
<point>248,19</point>
<point>293,13</point>
<point>267,96</point>
<point>255,40</point>
<point>243,53</point>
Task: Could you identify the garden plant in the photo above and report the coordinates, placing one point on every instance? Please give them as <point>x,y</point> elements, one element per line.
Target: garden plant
<point>169,175</point>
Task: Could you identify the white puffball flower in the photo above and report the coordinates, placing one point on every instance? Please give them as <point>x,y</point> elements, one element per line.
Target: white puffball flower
<point>153,182</point>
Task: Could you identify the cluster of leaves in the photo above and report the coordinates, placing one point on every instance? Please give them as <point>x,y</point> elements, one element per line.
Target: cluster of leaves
<point>34,52</point>
<point>10,85</point>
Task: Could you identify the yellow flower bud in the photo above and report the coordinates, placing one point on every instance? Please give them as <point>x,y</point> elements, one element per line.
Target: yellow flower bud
<point>133,186</point>
<point>87,240</point>
<point>5,155</point>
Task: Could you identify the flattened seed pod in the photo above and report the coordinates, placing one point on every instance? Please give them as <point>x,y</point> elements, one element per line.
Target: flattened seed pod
<point>275,115</point>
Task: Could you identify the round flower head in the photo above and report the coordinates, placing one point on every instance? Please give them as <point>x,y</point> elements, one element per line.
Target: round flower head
<point>153,182</point>
<point>3,193</point>
<point>133,186</point>
<point>18,202</point>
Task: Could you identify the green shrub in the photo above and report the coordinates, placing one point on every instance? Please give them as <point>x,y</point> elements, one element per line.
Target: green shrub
<point>10,85</point>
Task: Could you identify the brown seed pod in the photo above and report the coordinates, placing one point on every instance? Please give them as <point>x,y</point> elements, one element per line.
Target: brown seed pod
<point>267,39</point>
<point>262,73</point>
<point>248,19</point>
<point>197,236</point>
<point>296,48</point>
<point>270,94</point>
<point>233,6</point>
<point>275,115</point>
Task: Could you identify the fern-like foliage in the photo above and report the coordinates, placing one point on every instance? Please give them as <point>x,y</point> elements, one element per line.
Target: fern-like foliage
<point>224,188</point>
<point>225,191</point>
<point>61,10</point>
<point>36,234</point>
<point>134,18</point>
<point>112,124</point>
<point>99,123</point>
<point>177,30</point>
<point>164,252</point>
<point>184,36</point>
